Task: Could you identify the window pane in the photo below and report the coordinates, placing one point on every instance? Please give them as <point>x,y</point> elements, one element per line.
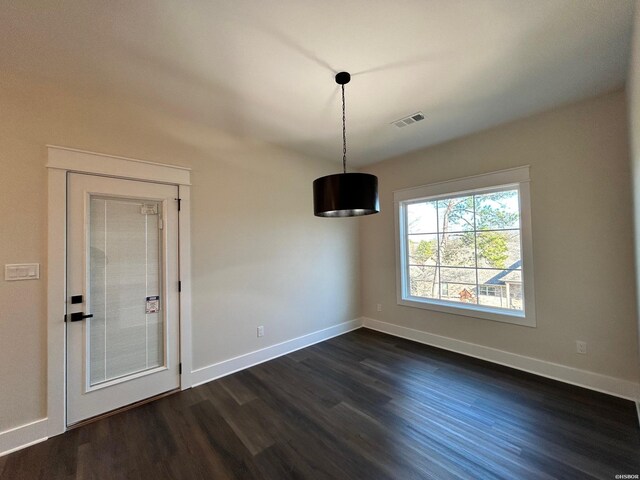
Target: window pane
<point>422,217</point>
<point>499,249</point>
<point>497,211</point>
<point>506,283</point>
<point>457,250</point>
<point>423,282</point>
<point>124,269</point>
<point>493,276</point>
<point>458,292</point>
<point>423,249</point>
<point>455,214</point>
<point>493,296</point>
<point>458,275</point>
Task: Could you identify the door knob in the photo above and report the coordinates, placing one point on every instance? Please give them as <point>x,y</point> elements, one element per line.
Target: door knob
<point>77,316</point>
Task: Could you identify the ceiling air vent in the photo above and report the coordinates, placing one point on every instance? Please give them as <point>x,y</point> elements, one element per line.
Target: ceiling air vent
<point>413,118</point>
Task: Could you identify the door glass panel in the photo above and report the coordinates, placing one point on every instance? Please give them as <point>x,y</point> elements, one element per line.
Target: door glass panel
<point>126,333</point>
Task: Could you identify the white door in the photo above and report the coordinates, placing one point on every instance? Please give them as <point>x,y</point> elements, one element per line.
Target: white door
<point>122,293</point>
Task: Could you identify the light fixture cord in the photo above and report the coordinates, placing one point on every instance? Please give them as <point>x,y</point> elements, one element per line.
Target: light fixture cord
<point>344,135</point>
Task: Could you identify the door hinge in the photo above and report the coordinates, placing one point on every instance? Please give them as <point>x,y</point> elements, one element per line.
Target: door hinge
<point>179,286</point>
<point>180,368</point>
<point>179,203</point>
<point>160,223</point>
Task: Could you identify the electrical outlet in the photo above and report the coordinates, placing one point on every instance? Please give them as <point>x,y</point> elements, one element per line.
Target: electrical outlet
<point>379,307</point>
<point>261,331</point>
<point>581,347</point>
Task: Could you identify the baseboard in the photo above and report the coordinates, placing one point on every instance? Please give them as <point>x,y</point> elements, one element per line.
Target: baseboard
<point>23,436</point>
<point>227,367</point>
<point>583,378</point>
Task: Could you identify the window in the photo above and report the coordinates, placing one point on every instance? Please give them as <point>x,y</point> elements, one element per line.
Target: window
<point>464,247</point>
<point>490,291</point>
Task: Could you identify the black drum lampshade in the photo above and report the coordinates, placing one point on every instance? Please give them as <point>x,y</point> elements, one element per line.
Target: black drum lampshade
<point>345,195</point>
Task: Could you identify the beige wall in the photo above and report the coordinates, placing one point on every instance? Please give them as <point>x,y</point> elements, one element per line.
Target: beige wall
<point>582,235</point>
<point>633,89</point>
<point>260,257</point>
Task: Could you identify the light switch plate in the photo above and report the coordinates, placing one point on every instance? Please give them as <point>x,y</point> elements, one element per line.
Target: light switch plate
<point>22,271</point>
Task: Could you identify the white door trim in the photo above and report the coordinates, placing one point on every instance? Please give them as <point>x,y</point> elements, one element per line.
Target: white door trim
<point>61,161</point>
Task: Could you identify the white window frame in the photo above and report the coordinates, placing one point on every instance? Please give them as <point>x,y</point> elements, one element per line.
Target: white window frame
<point>514,177</point>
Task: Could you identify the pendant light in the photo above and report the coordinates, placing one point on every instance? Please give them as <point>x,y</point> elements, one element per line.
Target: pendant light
<point>345,194</point>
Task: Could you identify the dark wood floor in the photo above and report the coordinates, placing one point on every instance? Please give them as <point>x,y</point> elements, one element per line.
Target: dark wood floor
<point>360,406</point>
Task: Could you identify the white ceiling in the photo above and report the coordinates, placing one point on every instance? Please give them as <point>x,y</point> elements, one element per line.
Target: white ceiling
<point>264,68</point>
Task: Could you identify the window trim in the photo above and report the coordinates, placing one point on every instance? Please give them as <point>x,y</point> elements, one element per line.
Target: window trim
<point>513,177</point>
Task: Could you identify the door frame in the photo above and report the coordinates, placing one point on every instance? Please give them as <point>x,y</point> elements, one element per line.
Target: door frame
<point>60,162</point>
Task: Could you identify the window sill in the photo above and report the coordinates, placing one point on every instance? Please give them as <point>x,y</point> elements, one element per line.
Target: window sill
<point>486,313</point>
